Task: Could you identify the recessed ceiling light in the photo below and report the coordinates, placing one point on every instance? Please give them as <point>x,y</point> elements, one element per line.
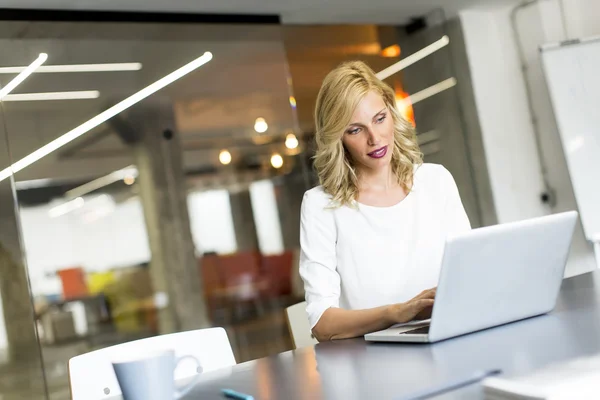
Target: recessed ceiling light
<point>291,141</point>
<point>260,125</point>
<point>225,157</point>
<point>276,161</point>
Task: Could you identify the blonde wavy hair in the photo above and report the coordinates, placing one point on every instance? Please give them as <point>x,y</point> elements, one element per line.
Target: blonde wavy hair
<point>341,91</point>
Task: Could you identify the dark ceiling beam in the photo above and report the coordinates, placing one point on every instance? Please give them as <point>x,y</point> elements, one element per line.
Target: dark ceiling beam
<point>124,130</point>
<point>82,144</point>
<point>17,14</point>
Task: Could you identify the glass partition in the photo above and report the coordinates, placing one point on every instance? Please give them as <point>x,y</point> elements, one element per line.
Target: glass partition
<point>172,214</point>
<point>22,375</point>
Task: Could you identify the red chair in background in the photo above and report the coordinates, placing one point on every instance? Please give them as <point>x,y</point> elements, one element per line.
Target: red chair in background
<point>242,284</point>
<point>277,269</point>
<point>233,285</point>
<point>241,276</point>
<point>211,280</point>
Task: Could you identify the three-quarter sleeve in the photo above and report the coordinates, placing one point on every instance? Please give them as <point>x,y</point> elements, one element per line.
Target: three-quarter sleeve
<point>318,261</point>
<point>457,220</point>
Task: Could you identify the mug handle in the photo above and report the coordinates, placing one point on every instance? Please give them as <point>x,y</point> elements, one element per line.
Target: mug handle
<point>183,391</point>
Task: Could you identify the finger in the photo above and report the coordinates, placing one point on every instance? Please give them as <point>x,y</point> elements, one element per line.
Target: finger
<point>427,294</point>
<point>419,305</point>
<point>424,313</point>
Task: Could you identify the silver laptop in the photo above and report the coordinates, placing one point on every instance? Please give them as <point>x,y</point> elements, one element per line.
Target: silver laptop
<point>492,276</point>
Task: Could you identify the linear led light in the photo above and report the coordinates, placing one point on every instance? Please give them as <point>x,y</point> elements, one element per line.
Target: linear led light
<point>23,75</point>
<point>66,208</point>
<point>77,68</point>
<point>73,95</point>
<point>104,116</point>
<point>100,206</point>
<point>413,58</point>
<point>33,184</point>
<point>428,92</point>
<point>103,181</point>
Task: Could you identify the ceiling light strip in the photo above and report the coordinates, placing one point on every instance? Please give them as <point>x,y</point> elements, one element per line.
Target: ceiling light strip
<point>112,67</point>
<point>73,95</point>
<point>431,91</point>
<point>413,58</point>
<point>102,182</point>
<point>66,208</point>
<point>104,116</point>
<point>23,75</point>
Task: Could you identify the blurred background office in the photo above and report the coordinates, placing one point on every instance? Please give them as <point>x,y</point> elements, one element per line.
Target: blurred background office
<point>181,211</point>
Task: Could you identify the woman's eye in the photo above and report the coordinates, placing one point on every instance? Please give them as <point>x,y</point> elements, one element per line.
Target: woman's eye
<point>354,131</point>
<point>381,119</point>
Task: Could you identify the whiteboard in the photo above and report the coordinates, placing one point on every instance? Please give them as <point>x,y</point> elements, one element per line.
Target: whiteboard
<point>573,76</point>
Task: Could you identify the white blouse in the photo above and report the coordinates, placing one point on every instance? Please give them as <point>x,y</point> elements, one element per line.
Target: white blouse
<point>365,257</point>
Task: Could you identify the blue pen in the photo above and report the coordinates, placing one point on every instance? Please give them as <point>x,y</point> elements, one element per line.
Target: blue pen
<point>452,385</point>
<point>232,394</point>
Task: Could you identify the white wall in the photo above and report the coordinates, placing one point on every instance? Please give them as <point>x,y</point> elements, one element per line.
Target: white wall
<point>579,18</point>
<point>506,127</point>
<point>508,134</point>
<point>211,222</point>
<point>582,17</point>
<point>266,217</point>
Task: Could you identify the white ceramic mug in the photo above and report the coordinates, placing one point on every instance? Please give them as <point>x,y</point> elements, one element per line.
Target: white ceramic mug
<point>152,376</point>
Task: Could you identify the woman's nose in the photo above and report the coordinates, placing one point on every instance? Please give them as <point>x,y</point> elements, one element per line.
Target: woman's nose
<point>373,139</point>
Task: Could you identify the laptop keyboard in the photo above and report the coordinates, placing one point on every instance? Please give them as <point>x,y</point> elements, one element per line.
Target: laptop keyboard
<point>422,330</point>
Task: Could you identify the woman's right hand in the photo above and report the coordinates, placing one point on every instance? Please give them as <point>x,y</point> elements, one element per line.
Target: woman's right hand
<point>405,312</point>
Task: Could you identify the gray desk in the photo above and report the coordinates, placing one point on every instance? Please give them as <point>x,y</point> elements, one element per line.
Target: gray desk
<point>354,369</point>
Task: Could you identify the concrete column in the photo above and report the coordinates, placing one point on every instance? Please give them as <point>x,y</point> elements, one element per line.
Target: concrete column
<point>17,329</point>
<point>243,220</point>
<point>289,190</point>
<point>174,267</point>
<point>14,287</point>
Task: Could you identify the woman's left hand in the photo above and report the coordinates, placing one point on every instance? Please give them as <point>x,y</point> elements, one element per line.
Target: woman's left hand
<point>425,313</point>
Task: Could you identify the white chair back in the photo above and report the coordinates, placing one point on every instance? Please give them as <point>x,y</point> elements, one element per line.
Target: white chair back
<point>92,377</point>
<point>299,326</point>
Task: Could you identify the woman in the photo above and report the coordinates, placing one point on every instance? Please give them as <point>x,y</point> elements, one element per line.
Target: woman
<point>373,233</point>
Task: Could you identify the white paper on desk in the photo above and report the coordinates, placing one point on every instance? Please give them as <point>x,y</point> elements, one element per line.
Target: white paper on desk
<point>575,379</point>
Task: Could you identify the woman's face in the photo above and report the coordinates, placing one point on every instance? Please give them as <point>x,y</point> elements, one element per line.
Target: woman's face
<point>370,136</point>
